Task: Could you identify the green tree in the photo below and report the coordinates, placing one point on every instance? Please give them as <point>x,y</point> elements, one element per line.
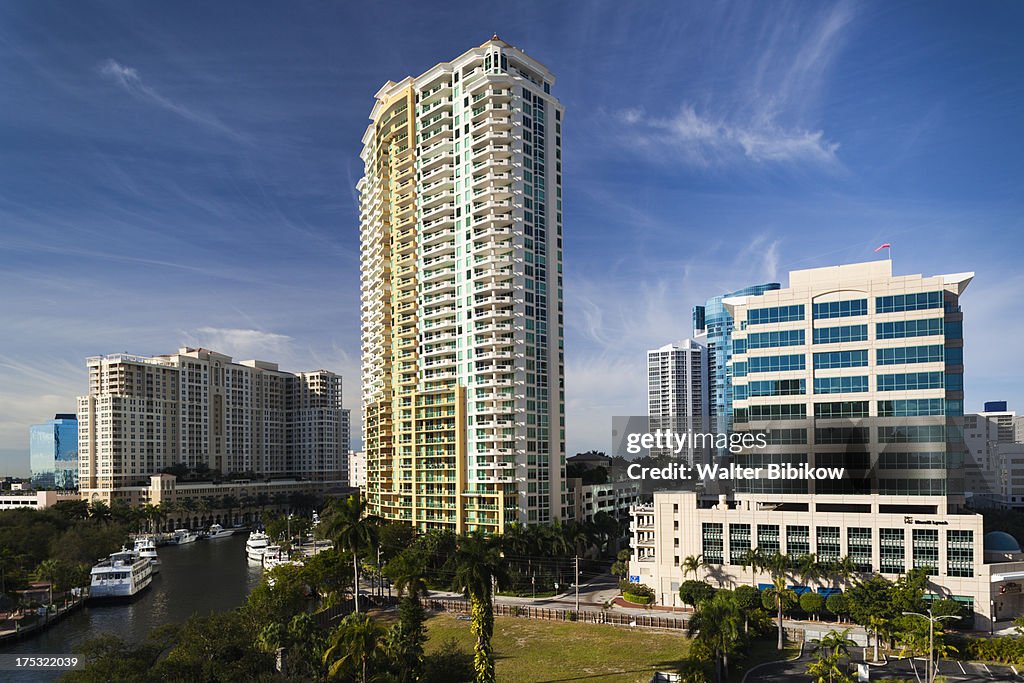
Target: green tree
<point>812,603</point>
<point>479,569</point>
<point>693,592</point>
<point>871,605</point>
<point>716,627</point>
<point>747,599</point>
<point>826,669</point>
<point>779,598</point>
<point>755,560</point>
<point>838,605</point>
<point>349,526</point>
<point>406,639</point>
<point>620,567</point>
<point>353,646</point>
<point>692,564</point>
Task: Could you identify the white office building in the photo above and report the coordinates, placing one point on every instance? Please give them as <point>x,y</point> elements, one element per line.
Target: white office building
<point>852,367</point>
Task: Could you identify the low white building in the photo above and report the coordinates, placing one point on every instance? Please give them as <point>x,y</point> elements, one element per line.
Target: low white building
<point>17,499</point>
<point>882,534</point>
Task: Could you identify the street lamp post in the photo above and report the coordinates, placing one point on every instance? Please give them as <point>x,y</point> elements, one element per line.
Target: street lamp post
<point>930,670</point>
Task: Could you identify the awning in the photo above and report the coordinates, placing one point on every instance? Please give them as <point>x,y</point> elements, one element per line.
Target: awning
<point>827,592</point>
<point>764,586</point>
<point>1008,576</point>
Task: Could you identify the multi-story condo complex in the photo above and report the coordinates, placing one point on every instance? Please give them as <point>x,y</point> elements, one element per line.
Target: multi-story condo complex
<point>677,393</point>
<point>53,453</point>
<point>200,409</point>
<point>461,259</point>
<point>853,367</point>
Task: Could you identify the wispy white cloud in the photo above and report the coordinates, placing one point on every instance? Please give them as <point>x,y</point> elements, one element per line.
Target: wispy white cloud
<point>129,79</point>
<point>241,343</point>
<point>761,118</point>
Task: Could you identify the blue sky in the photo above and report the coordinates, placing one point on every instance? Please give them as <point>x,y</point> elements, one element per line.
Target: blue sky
<point>183,173</point>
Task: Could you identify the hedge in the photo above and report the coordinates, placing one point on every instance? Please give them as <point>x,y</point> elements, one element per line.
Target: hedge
<point>636,599</point>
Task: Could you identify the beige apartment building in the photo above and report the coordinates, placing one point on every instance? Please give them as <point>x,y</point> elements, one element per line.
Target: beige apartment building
<point>201,409</point>
<point>852,367</point>
<point>461,281</point>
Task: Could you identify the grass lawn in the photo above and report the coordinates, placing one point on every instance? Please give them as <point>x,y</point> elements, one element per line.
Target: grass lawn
<point>535,651</point>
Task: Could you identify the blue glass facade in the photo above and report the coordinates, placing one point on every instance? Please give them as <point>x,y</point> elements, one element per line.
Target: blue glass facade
<point>714,321</point>
<point>53,453</point>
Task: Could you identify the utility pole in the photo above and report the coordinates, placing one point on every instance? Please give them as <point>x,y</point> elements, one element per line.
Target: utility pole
<point>577,585</point>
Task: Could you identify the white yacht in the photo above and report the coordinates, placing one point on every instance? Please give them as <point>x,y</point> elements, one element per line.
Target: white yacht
<point>146,548</point>
<point>183,536</point>
<point>217,531</point>
<point>122,575</point>
<point>256,545</point>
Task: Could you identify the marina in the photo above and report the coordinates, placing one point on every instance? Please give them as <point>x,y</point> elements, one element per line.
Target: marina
<point>196,578</point>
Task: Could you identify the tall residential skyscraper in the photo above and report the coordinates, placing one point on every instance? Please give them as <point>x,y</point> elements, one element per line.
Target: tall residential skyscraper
<point>53,453</point>
<point>200,409</point>
<point>677,392</point>
<point>461,260</point>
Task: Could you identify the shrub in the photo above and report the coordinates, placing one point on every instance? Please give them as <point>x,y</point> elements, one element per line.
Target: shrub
<point>637,599</point>
<point>639,589</point>
<point>838,604</point>
<point>812,603</point>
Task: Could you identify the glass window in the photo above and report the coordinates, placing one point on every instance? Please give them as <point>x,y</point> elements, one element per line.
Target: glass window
<point>825,360</point>
<point>840,409</point>
<point>775,314</point>
<point>844,333</point>
<point>908,302</point>
<point>911,407</point>
<point>840,385</point>
<point>778,387</point>
<point>840,309</point>
<point>767,340</point>
<point>954,382</point>
<point>910,381</point>
<point>899,329</point>
<point>783,411</point>
<point>777,363</point>
<point>910,354</point>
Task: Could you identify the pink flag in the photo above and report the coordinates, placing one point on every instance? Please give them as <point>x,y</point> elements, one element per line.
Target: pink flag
<point>884,246</point>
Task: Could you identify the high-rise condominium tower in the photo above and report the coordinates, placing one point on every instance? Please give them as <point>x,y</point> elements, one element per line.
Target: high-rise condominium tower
<point>677,393</point>
<point>461,260</point>
<point>199,408</point>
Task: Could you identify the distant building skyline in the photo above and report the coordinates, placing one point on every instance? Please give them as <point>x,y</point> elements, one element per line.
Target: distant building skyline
<point>53,453</point>
<point>200,409</point>
<point>193,186</point>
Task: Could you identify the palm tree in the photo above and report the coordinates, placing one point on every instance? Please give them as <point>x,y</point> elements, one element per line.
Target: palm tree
<point>351,528</point>
<point>99,510</point>
<point>808,568</point>
<point>479,569</point>
<point>778,564</point>
<point>355,642</point>
<point>836,643</point>
<point>406,572</point>
<point>692,564</point>
<point>843,569</point>
<point>717,628</point>
<point>752,558</point>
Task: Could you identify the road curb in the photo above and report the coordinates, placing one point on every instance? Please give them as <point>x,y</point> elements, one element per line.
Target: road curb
<point>777,661</point>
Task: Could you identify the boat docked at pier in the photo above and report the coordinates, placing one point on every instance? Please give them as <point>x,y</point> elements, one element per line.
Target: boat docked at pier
<point>217,532</point>
<point>146,548</point>
<point>183,536</point>
<point>123,575</point>
<point>256,545</point>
